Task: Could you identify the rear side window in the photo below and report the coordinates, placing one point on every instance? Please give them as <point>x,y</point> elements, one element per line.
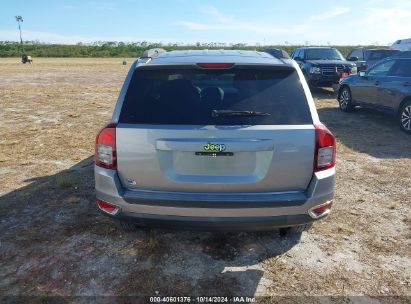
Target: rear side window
<point>189,96</point>
<point>402,68</point>
<point>378,55</point>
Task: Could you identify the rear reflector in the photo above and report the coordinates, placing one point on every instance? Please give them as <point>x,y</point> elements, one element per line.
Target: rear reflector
<point>108,208</point>
<point>216,65</point>
<point>321,210</point>
<point>325,148</point>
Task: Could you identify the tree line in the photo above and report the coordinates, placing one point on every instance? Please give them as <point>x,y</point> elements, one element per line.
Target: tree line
<point>122,49</point>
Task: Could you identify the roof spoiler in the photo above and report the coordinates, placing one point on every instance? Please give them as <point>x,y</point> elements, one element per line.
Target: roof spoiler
<point>152,53</point>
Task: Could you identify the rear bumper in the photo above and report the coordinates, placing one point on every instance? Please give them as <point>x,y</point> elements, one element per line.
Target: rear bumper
<point>215,223</point>
<point>215,211</point>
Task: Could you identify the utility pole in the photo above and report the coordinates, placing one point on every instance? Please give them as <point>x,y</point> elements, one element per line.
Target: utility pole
<point>19,20</point>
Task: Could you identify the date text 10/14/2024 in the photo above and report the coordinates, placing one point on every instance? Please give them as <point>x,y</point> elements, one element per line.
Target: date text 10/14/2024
<point>205,299</point>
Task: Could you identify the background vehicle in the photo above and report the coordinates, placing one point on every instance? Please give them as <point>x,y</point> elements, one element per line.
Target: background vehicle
<point>402,45</point>
<point>365,58</point>
<point>323,66</point>
<point>26,59</point>
<point>278,53</point>
<point>226,140</point>
<point>385,87</point>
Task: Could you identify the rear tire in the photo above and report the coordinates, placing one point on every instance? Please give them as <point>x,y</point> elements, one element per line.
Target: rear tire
<point>125,225</point>
<point>404,117</point>
<point>345,100</point>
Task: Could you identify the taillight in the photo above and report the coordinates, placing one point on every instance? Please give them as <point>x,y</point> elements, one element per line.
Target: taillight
<point>216,65</point>
<point>108,208</point>
<point>325,148</point>
<point>105,149</point>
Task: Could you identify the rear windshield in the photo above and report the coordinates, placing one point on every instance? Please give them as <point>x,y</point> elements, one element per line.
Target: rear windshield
<point>190,96</point>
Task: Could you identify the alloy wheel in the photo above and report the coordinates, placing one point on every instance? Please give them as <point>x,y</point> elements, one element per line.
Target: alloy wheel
<point>344,99</point>
<point>406,118</point>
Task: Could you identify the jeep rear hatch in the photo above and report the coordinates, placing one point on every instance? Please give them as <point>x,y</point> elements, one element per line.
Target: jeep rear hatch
<point>221,129</point>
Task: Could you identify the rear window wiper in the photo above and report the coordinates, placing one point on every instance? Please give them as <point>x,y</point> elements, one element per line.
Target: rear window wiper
<point>224,113</point>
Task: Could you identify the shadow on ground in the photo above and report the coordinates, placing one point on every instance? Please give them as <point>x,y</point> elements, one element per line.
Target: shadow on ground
<point>323,93</point>
<point>55,242</point>
<point>364,130</point>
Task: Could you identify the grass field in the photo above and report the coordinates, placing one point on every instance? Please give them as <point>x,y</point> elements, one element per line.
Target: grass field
<point>53,240</point>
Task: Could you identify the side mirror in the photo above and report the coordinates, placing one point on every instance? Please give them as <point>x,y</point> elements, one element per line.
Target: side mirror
<point>353,58</point>
<point>298,59</point>
<point>361,74</point>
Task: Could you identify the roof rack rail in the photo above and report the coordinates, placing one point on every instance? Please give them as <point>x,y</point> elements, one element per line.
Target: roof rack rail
<point>152,53</point>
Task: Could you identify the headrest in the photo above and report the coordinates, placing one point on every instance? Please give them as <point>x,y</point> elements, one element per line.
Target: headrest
<point>212,94</point>
<point>179,88</point>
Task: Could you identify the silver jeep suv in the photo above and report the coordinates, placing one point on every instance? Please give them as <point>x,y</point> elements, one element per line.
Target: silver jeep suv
<point>225,140</point>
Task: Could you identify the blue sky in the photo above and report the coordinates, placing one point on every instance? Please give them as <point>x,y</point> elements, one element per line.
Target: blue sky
<point>228,21</point>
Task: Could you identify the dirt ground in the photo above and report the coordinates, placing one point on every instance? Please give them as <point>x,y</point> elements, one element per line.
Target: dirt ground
<point>54,242</point>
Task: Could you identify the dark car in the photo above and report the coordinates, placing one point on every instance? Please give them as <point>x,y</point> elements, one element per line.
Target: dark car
<point>323,66</point>
<point>385,87</point>
<point>365,58</point>
<point>277,53</point>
